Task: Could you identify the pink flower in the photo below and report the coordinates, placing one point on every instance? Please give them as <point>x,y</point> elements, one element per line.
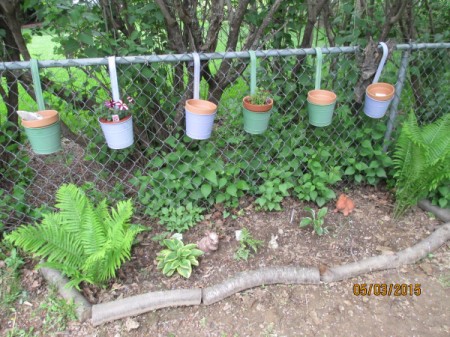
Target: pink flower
<point>110,104</point>
<point>130,99</point>
<point>121,105</point>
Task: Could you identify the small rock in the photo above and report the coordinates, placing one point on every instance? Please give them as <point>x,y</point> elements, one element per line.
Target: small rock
<point>341,308</point>
<point>178,236</point>
<point>314,317</point>
<point>384,250</point>
<point>386,218</point>
<point>131,324</point>
<point>280,231</point>
<point>350,313</point>
<point>365,299</point>
<point>238,234</point>
<point>260,307</point>
<point>2,264</point>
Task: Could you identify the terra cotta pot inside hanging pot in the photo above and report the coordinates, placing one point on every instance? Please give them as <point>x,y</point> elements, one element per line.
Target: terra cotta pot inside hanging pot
<point>380,91</point>
<point>200,107</point>
<point>257,108</point>
<point>321,97</point>
<point>50,117</point>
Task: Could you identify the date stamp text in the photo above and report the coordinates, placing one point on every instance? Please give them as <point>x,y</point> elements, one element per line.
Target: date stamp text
<point>387,289</point>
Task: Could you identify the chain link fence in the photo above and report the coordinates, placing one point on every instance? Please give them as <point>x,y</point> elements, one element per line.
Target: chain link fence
<point>169,175</point>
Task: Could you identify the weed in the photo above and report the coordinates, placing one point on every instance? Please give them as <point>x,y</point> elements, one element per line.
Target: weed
<point>247,244</point>
<point>316,221</point>
<point>58,312</point>
<point>10,288</point>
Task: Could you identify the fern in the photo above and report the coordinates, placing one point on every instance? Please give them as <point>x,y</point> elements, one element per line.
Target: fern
<point>84,242</point>
<point>421,161</point>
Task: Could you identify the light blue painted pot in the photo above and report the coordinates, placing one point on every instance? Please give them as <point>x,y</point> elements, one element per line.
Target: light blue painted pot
<point>200,116</point>
<point>374,108</point>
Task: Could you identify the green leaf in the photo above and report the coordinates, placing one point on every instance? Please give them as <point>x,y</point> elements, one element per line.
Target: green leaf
<point>185,271</point>
<point>305,222</point>
<point>86,38</point>
<point>222,182</point>
<point>212,177</point>
<point>232,190</point>
<point>349,171</point>
<point>322,212</point>
<point>206,190</point>
<point>381,173</point>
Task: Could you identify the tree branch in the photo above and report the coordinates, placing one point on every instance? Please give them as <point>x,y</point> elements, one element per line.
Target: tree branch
<point>175,35</point>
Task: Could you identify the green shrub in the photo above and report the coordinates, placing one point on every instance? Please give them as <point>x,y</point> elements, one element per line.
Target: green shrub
<point>83,241</point>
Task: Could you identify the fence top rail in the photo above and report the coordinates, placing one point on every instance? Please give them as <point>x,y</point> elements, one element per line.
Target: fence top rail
<point>205,56</point>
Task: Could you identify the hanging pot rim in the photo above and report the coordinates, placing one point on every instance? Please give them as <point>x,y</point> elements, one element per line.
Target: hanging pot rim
<point>200,107</point>
<point>386,89</point>
<point>123,120</point>
<point>255,107</point>
<point>50,117</point>
<point>321,97</point>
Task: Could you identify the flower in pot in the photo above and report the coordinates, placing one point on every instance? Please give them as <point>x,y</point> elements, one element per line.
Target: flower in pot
<point>257,111</point>
<point>116,122</point>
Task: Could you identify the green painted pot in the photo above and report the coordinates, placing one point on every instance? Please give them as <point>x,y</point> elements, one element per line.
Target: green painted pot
<point>45,140</point>
<point>321,105</point>
<point>256,122</point>
<point>256,117</point>
<point>320,115</point>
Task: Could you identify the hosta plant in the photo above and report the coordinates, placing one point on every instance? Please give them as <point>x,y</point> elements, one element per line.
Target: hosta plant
<point>85,242</point>
<point>178,257</point>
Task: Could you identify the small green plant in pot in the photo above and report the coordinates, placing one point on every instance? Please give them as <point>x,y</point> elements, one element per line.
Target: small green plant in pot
<point>257,111</point>
<point>178,257</point>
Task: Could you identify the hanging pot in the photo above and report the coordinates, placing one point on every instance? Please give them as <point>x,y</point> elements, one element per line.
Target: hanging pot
<point>45,140</point>
<point>200,116</point>
<point>256,117</point>
<point>118,135</point>
<point>379,95</point>
<point>321,103</point>
<point>199,113</point>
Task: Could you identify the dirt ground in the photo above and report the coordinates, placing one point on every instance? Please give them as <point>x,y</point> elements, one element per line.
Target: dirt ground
<point>281,310</point>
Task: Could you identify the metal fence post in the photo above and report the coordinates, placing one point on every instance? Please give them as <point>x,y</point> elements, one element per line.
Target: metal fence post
<point>398,92</point>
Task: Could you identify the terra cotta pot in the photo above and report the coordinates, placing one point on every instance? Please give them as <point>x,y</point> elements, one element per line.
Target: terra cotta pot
<point>380,91</point>
<point>50,117</point>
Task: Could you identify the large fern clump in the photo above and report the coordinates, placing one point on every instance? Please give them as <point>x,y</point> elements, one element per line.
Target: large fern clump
<point>84,242</point>
<point>421,161</point>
